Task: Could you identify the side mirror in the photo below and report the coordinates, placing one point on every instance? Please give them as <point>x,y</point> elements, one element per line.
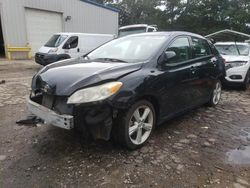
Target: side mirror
<point>67,46</point>
<point>167,56</point>
<point>170,55</point>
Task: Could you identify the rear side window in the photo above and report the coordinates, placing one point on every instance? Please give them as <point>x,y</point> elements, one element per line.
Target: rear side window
<point>213,48</point>
<point>182,49</point>
<point>201,47</point>
<point>71,43</point>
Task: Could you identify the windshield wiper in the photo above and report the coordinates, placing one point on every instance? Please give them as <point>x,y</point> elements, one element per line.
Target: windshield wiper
<point>86,56</point>
<point>110,59</point>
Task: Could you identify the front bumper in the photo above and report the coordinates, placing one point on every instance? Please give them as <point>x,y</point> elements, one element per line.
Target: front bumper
<point>45,59</point>
<point>237,74</point>
<point>49,116</point>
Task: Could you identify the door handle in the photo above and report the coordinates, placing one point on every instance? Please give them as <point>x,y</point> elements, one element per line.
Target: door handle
<point>214,62</point>
<point>193,69</point>
<point>78,49</point>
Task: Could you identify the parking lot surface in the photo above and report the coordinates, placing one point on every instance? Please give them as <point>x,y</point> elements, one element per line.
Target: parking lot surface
<point>207,147</point>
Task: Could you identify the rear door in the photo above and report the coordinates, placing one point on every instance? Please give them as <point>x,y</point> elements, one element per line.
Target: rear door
<point>203,69</point>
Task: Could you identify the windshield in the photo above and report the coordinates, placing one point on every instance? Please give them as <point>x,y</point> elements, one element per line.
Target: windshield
<point>129,49</point>
<point>233,49</point>
<point>130,31</point>
<point>56,40</point>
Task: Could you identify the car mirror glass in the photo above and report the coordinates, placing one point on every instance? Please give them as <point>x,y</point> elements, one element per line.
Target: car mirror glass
<point>170,55</point>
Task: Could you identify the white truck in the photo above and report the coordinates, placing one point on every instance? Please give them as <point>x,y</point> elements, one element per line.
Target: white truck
<point>69,45</point>
<point>134,29</point>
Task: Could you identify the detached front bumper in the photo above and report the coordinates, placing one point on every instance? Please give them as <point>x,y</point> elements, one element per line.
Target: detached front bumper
<point>49,116</point>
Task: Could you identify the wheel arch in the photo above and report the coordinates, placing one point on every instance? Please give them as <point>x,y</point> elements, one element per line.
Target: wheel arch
<point>154,101</point>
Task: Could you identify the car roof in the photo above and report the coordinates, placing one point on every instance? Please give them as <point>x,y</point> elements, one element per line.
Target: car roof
<point>133,26</point>
<point>85,34</point>
<point>232,43</point>
<point>169,33</point>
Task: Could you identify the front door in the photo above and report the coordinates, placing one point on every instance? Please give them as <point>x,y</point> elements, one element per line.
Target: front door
<point>177,95</point>
<point>71,47</point>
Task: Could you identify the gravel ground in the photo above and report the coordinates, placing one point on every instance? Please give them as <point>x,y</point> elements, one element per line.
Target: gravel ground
<point>208,147</point>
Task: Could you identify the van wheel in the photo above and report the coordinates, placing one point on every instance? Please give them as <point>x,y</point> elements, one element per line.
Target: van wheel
<point>247,81</point>
<point>216,94</point>
<point>133,128</point>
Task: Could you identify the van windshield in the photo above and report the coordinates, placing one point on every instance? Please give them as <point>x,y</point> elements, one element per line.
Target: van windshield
<point>56,40</point>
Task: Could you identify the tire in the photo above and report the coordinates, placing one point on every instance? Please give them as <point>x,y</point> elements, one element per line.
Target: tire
<point>246,83</point>
<point>131,129</point>
<point>216,94</point>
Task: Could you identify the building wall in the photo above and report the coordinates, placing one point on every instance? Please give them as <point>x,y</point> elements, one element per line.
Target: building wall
<point>85,17</point>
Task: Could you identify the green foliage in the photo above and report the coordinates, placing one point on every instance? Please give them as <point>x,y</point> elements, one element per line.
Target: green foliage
<point>200,16</point>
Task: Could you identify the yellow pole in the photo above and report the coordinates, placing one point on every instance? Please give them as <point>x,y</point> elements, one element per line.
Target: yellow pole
<point>8,53</point>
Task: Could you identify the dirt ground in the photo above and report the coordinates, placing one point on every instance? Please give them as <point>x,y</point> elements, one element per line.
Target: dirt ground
<point>208,147</point>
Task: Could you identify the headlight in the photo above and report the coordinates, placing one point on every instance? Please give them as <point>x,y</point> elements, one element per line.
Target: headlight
<point>96,93</point>
<point>238,63</point>
<point>51,51</point>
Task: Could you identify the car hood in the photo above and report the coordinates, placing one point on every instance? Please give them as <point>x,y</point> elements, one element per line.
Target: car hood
<point>232,58</point>
<point>67,76</point>
<point>45,49</point>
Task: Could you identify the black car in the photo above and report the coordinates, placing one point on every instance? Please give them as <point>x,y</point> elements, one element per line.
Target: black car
<point>126,87</point>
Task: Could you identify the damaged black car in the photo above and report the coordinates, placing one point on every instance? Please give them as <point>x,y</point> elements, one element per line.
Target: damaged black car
<point>126,87</point>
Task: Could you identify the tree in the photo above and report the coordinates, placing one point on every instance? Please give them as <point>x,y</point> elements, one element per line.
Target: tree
<point>200,16</point>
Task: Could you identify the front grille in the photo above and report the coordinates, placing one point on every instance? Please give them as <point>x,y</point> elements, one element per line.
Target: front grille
<point>39,58</point>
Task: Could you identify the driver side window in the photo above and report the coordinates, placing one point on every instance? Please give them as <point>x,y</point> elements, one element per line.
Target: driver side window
<point>182,49</point>
<point>71,43</point>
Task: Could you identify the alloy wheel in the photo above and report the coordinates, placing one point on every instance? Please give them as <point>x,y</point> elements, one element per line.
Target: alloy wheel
<point>141,125</point>
<point>217,93</point>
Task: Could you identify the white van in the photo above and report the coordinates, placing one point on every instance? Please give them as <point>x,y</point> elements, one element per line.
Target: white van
<point>69,45</point>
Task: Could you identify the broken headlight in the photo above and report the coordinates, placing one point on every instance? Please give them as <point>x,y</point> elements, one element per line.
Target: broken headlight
<point>96,93</point>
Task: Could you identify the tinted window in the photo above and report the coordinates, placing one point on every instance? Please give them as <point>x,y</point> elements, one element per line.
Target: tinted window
<point>182,49</point>
<point>201,47</point>
<point>214,50</point>
<point>72,42</point>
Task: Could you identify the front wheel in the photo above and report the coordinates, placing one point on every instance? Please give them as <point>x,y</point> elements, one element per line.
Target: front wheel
<point>216,94</point>
<point>134,127</point>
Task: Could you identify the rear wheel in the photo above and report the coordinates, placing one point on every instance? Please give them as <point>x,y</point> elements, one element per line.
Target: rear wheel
<point>134,127</point>
<point>216,94</point>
